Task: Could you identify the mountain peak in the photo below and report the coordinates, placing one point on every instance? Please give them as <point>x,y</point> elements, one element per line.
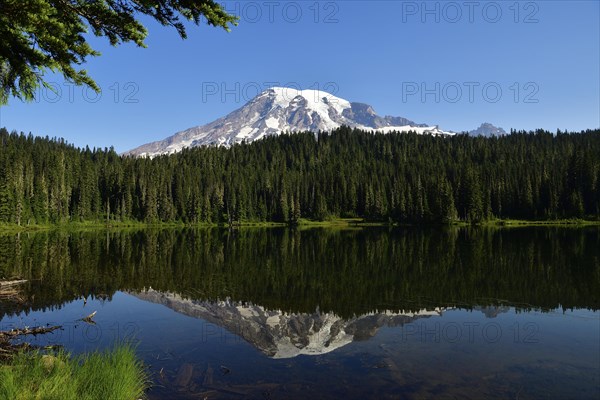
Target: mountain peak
<point>487,129</point>
<point>287,94</point>
<point>283,109</point>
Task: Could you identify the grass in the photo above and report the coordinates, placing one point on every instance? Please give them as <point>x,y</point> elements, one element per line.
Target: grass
<point>339,223</point>
<point>303,222</point>
<point>555,222</point>
<point>111,375</point>
<point>85,225</point>
<point>359,222</point>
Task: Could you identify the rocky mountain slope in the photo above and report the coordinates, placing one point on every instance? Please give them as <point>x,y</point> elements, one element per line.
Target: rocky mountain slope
<point>281,109</point>
<point>285,335</point>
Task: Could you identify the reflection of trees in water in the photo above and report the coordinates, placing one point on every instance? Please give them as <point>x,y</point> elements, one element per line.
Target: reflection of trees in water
<point>345,271</point>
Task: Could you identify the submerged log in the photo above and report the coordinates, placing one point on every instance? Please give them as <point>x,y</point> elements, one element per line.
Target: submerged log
<point>226,389</point>
<point>8,349</point>
<point>89,318</point>
<point>208,376</point>
<point>184,375</point>
<point>4,284</point>
<point>13,333</point>
<point>10,292</point>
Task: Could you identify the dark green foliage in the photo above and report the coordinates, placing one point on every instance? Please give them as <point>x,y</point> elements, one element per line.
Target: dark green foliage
<point>346,173</point>
<point>41,35</point>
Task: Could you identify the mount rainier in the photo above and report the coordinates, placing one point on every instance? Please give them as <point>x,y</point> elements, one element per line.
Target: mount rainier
<point>278,110</point>
<point>280,334</point>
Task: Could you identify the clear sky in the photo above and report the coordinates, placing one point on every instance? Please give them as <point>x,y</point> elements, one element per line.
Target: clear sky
<point>524,65</point>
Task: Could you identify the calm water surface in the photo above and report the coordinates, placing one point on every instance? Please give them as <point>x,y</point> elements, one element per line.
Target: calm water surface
<point>323,313</point>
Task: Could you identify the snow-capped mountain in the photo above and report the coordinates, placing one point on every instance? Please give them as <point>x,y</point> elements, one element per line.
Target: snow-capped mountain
<point>285,335</point>
<point>281,109</point>
<point>487,129</point>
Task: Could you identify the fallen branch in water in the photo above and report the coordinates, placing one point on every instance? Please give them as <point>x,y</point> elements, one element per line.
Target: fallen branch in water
<point>8,349</point>
<point>9,291</point>
<point>4,284</point>
<point>39,330</point>
<point>10,295</point>
<point>89,319</point>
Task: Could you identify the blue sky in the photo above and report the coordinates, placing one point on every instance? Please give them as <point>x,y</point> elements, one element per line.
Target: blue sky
<point>525,65</point>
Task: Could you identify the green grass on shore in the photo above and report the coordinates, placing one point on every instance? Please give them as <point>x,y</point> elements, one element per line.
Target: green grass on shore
<point>359,222</point>
<point>552,222</point>
<point>111,375</point>
<point>303,223</point>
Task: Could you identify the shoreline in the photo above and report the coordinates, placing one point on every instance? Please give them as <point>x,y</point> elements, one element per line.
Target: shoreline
<point>303,223</point>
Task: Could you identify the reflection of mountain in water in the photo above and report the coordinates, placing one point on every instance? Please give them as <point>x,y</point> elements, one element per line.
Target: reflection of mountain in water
<point>284,335</point>
<point>492,312</point>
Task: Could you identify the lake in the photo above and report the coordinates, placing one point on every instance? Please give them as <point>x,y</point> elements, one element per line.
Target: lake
<point>324,313</point>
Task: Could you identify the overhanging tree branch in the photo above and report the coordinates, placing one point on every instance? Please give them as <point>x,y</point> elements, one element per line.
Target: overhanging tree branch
<point>41,35</point>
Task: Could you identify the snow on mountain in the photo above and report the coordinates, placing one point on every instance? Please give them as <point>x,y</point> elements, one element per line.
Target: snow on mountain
<point>281,109</point>
<point>284,335</point>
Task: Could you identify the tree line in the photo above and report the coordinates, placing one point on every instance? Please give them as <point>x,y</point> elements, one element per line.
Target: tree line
<point>395,177</point>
